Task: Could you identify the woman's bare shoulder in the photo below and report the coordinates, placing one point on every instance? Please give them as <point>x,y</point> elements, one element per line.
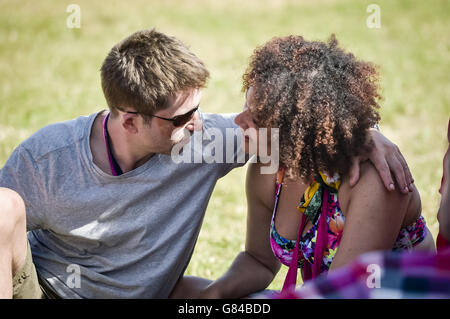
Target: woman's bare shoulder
<point>371,184</point>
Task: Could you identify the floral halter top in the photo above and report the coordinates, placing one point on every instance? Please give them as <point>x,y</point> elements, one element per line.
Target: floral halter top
<point>311,207</point>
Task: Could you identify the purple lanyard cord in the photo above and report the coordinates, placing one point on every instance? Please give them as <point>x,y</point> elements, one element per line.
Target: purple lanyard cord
<point>106,139</point>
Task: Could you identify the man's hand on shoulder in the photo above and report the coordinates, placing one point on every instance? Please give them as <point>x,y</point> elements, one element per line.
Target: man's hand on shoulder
<point>389,162</point>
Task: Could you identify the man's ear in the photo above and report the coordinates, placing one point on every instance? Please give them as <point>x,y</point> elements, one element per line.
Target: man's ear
<point>129,122</point>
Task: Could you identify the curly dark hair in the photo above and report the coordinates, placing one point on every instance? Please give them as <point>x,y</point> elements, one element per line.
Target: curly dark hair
<point>322,99</point>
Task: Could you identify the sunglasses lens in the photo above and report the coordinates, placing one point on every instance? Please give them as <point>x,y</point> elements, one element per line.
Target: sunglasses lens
<point>183,119</point>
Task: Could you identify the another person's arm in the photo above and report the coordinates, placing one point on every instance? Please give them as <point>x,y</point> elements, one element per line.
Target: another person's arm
<point>254,268</point>
<point>444,209</point>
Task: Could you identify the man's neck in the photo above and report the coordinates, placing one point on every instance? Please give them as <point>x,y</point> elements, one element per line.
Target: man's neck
<point>125,149</point>
<point>126,152</point>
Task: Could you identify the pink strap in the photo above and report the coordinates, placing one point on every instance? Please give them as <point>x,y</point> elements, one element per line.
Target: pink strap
<point>291,277</point>
<point>322,237</point>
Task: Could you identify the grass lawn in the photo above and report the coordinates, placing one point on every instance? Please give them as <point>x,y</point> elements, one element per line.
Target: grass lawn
<point>50,73</point>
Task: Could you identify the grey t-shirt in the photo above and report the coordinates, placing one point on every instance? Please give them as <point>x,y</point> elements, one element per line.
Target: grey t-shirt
<point>127,236</point>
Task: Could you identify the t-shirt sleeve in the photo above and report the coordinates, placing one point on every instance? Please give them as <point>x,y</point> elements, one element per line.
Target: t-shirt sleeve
<point>22,175</point>
<point>232,150</point>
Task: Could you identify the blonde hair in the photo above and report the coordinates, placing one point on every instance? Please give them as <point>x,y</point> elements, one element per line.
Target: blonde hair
<point>146,68</point>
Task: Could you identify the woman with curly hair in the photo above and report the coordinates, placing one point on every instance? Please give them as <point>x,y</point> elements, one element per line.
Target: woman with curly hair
<point>323,101</point>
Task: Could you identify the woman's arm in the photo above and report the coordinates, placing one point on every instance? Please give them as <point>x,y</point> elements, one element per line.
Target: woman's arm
<point>373,216</point>
<point>253,269</point>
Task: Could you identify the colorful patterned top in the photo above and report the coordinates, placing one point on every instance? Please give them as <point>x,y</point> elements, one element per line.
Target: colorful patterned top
<point>382,275</point>
<point>311,206</point>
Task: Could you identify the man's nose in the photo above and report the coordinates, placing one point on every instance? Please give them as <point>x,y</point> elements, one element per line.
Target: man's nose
<point>195,123</point>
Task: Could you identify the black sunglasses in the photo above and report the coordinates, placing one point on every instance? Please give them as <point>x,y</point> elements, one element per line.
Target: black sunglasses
<point>178,120</point>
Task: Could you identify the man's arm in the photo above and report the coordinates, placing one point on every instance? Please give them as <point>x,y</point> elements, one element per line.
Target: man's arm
<point>253,269</point>
<point>387,158</point>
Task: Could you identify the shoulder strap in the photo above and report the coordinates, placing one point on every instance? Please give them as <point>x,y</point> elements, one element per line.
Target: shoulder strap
<point>322,237</point>
<point>321,241</point>
<point>278,185</point>
<point>291,277</point>
<point>280,175</point>
<point>279,182</point>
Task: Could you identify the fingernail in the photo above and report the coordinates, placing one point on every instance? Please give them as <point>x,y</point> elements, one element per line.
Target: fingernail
<point>406,189</point>
<point>391,187</point>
